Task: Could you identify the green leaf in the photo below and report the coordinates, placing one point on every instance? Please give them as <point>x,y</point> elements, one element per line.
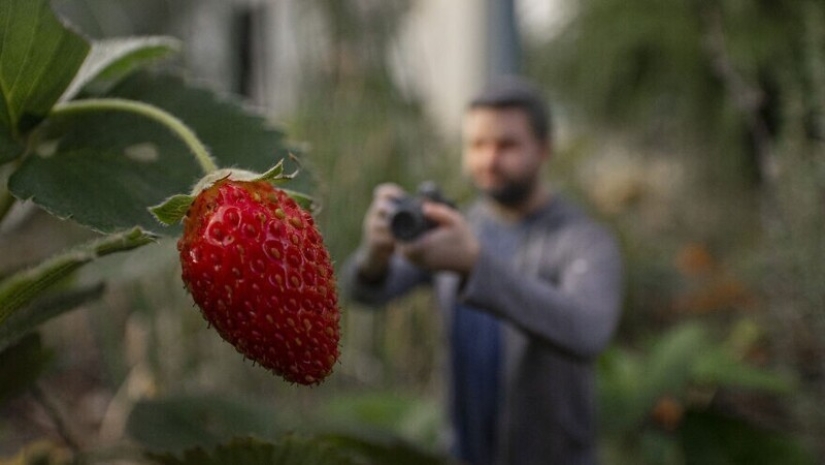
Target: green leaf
<point>103,189</point>
<point>41,310</point>
<point>720,367</point>
<point>237,136</point>
<point>292,449</point>
<point>173,209</point>
<point>624,397</point>
<point>672,358</point>
<point>709,438</point>
<point>275,174</point>
<point>289,450</point>
<point>109,168</point>
<point>22,364</point>
<point>391,413</point>
<point>21,288</point>
<point>378,451</point>
<point>39,57</point>
<point>110,60</point>
<point>175,424</point>
<point>200,429</point>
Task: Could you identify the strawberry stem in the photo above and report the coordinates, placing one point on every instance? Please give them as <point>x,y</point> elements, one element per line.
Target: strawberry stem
<point>157,114</point>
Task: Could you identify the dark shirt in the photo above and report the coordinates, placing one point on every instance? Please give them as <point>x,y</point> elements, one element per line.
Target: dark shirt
<point>475,338</point>
<point>475,361</point>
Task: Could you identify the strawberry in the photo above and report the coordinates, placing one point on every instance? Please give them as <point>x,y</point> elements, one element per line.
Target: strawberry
<point>255,264</point>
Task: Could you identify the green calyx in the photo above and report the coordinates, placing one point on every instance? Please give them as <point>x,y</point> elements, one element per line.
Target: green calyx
<point>275,175</point>
<point>173,209</point>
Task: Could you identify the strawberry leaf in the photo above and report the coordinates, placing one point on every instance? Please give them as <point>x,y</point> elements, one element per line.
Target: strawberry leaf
<point>378,449</point>
<point>111,60</point>
<point>39,57</point>
<point>237,136</point>
<point>173,209</point>
<point>289,450</point>
<point>108,168</point>
<point>292,449</point>
<point>178,423</point>
<point>102,188</point>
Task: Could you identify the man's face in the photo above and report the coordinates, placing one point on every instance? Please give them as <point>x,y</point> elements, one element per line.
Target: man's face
<point>501,154</point>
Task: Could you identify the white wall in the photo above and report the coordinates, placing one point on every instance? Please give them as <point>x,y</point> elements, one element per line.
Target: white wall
<point>440,56</point>
<point>442,53</point>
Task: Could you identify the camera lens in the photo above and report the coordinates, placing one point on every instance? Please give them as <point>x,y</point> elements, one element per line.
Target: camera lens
<point>408,224</point>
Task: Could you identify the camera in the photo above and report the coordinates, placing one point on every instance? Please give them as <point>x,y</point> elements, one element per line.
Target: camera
<point>406,219</point>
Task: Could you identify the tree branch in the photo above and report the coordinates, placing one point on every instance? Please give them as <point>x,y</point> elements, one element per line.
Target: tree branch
<point>746,96</point>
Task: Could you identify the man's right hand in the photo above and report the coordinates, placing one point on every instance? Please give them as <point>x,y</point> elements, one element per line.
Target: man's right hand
<point>378,242</point>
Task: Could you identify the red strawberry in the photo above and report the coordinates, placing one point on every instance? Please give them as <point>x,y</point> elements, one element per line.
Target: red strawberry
<point>257,267</point>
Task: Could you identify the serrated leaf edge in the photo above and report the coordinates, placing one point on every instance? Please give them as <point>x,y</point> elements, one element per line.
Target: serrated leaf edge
<point>98,62</point>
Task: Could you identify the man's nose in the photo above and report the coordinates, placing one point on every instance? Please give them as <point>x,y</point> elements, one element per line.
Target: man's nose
<point>492,156</point>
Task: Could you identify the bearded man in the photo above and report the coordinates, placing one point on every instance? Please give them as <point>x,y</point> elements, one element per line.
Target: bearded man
<point>529,286</point>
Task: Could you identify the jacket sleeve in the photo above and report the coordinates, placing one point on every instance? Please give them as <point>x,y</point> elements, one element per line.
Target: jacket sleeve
<point>577,313</point>
<point>400,278</point>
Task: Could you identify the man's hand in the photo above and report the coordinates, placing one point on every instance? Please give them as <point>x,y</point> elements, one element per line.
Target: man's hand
<point>378,242</point>
<point>451,246</point>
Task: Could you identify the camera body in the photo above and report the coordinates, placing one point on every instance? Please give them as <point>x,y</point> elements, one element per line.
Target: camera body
<point>407,221</point>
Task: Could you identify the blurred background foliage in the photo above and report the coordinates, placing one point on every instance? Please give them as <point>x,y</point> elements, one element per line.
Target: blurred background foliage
<point>694,128</point>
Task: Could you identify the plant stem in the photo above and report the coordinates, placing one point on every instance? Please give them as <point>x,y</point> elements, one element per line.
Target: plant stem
<point>20,288</point>
<point>150,111</point>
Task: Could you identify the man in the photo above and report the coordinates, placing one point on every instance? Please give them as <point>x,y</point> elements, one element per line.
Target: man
<point>529,286</point>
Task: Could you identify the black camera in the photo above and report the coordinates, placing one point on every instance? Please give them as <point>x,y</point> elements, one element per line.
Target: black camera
<point>407,221</point>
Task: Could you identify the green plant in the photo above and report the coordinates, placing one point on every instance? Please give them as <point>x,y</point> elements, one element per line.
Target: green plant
<point>657,405</point>
<point>95,133</point>
<point>730,93</point>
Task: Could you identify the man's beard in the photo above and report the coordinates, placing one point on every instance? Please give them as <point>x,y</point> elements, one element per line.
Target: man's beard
<point>513,193</point>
